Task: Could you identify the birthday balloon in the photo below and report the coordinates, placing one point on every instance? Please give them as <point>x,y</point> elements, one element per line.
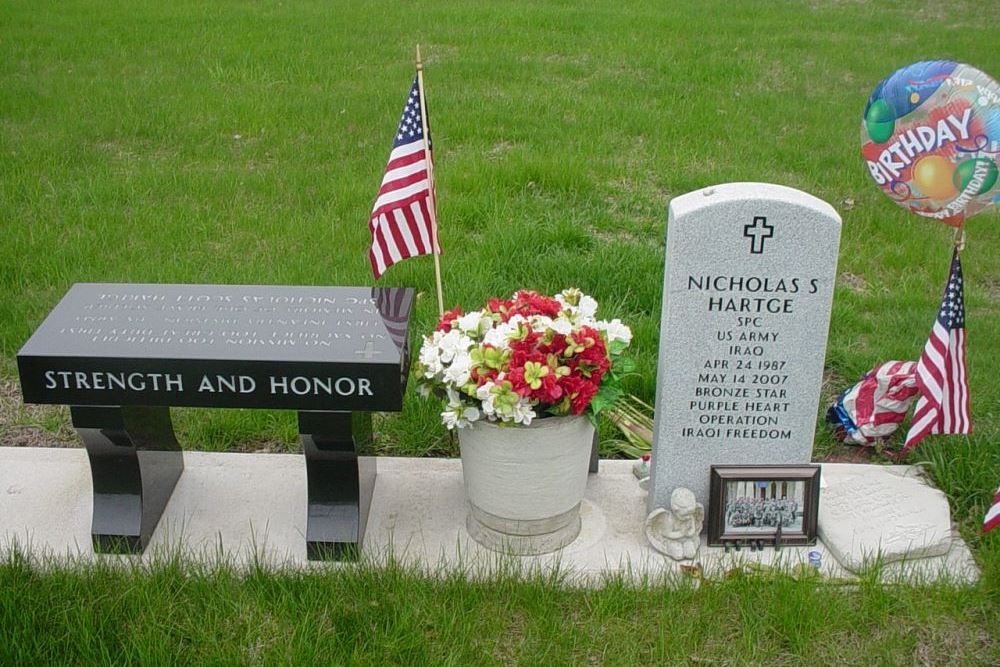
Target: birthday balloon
<point>930,137</point>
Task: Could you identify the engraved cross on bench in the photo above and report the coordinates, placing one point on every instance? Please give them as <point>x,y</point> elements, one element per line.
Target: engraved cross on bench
<point>757,231</point>
<point>369,350</point>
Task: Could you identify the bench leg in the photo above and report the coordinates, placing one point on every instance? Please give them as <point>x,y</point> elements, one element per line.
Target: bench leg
<point>340,482</point>
<point>135,463</point>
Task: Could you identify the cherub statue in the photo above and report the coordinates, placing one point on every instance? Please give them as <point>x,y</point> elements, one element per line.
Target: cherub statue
<point>675,531</point>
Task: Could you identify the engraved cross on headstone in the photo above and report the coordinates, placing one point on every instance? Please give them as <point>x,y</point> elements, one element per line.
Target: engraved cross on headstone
<point>757,231</point>
<point>369,350</point>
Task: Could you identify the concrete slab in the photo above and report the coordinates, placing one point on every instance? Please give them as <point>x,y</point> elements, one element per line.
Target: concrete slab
<point>251,508</point>
<point>884,512</point>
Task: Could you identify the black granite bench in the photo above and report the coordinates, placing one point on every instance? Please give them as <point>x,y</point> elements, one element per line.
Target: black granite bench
<point>120,355</point>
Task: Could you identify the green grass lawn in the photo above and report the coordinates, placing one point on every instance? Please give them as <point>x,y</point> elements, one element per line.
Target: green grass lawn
<point>174,614</point>
<point>243,142</point>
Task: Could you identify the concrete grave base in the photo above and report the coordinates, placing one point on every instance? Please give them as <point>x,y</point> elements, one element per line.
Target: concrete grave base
<point>252,508</point>
<point>885,512</point>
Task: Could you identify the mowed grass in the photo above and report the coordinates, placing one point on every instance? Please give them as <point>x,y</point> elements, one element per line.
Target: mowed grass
<point>233,142</point>
<point>389,615</point>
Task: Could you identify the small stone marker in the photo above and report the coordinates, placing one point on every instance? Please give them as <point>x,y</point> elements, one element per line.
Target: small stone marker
<point>870,513</point>
<point>747,291</point>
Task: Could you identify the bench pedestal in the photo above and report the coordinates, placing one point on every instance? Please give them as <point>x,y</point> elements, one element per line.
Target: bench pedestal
<point>135,462</point>
<point>340,482</point>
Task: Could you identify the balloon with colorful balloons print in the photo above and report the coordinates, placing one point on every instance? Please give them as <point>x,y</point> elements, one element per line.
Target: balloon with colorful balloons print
<point>930,138</point>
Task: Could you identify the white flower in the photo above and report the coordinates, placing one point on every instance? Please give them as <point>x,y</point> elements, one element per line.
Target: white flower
<point>470,323</point>
<point>577,306</point>
<point>499,336</point>
<point>458,372</point>
<point>568,297</point>
<point>539,323</point>
<point>430,357</point>
<point>486,396</point>
<point>458,415</point>
<point>563,326</point>
<point>587,307</point>
<point>523,414</point>
<point>615,330</point>
<point>452,343</point>
<point>424,390</point>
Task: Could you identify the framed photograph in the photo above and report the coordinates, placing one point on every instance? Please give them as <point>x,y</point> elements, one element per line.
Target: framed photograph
<point>763,505</point>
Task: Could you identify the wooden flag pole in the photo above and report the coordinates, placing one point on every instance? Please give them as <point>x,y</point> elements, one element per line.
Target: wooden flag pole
<point>430,178</point>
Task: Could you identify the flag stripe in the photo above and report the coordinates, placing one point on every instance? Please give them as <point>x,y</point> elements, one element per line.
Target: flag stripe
<point>400,197</point>
<point>423,229</point>
<point>961,407</point>
<point>413,148</point>
<point>405,156</point>
<point>403,225</point>
<point>430,222</point>
<point>402,177</point>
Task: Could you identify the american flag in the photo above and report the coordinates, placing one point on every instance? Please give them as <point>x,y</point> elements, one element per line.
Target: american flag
<point>874,407</point>
<point>992,519</point>
<point>394,305</point>
<point>943,406</point>
<point>403,218</point>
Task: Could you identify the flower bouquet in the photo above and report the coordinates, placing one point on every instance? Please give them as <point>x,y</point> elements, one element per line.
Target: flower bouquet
<point>522,358</point>
<point>520,377</point>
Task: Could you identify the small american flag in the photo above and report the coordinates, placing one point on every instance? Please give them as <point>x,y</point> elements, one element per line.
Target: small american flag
<point>943,406</point>
<point>992,519</point>
<point>394,306</point>
<point>403,220</point>
<point>874,407</point>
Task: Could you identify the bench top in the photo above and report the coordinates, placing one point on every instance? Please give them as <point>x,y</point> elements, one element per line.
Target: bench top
<point>150,344</point>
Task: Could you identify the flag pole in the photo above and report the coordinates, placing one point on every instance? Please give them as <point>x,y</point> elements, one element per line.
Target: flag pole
<point>430,178</point>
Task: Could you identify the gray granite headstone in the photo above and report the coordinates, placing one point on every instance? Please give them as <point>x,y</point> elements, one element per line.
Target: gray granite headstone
<point>747,291</point>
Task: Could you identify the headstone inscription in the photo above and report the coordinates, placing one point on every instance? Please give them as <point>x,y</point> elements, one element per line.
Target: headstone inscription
<point>747,291</point>
<point>121,354</point>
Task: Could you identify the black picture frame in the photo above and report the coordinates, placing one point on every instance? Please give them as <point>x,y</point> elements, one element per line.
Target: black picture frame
<point>758,505</point>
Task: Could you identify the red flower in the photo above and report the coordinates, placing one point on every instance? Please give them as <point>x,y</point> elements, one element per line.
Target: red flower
<point>556,346</point>
<point>580,391</point>
<point>445,323</point>
<point>501,307</point>
<point>550,391</point>
<point>482,376</point>
<point>528,303</point>
<point>518,383</point>
<point>592,361</point>
<point>529,343</point>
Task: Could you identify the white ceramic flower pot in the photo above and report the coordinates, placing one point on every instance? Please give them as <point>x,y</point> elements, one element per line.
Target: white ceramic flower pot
<point>525,483</point>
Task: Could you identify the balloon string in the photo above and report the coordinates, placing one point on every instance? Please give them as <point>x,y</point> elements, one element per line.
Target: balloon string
<point>960,239</point>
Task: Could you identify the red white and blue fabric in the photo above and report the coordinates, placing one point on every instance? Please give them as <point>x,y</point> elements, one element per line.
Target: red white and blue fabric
<point>395,305</point>
<point>943,406</point>
<point>873,408</point>
<point>402,221</point>
<point>992,519</point>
